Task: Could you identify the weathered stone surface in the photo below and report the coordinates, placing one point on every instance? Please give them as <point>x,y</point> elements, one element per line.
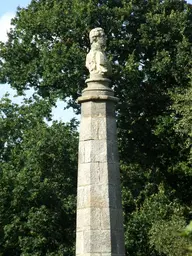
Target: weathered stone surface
<point>89,219</point>
<point>112,152</point>
<point>94,109</point>
<point>99,209</point>
<point>79,243</point>
<point>101,254</point>
<point>97,128</point>
<point>111,254</point>
<point>113,174</point>
<point>117,239</point>
<point>105,219</point>
<point>91,254</point>
<point>92,151</point>
<point>102,196</point>
<point>98,173</point>
<point>93,129</point>
<point>97,241</point>
<point>96,60</point>
<point>98,108</point>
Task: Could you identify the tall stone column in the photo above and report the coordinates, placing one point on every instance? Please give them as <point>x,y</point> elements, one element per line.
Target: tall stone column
<point>99,230</point>
<point>99,209</point>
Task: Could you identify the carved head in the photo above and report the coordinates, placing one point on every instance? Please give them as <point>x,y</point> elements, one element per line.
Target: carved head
<point>97,36</point>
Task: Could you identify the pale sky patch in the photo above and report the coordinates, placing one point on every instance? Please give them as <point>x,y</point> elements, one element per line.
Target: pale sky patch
<point>5,25</point>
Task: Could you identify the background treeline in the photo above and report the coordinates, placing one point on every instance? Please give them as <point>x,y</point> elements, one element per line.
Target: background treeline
<point>150,47</point>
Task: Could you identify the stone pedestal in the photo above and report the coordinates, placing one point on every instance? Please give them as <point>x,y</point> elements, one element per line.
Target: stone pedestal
<point>99,230</point>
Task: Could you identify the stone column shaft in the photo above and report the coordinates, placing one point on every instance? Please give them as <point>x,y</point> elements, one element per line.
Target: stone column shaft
<point>99,230</point>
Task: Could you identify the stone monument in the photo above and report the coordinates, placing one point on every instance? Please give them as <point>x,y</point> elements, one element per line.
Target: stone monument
<point>99,230</point>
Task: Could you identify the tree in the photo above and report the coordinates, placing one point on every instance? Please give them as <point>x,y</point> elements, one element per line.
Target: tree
<point>183,119</point>
<point>149,43</point>
<point>188,233</point>
<point>37,181</point>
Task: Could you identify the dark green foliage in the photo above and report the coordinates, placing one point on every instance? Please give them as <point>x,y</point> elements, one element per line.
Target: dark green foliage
<point>187,232</point>
<point>37,182</point>
<point>149,44</point>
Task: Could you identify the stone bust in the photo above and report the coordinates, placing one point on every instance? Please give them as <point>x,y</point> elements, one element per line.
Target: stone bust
<point>96,60</point>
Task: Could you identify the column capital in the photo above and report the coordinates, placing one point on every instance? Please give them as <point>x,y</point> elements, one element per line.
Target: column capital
<point>97,90</point>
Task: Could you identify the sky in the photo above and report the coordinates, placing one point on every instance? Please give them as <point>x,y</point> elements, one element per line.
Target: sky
<point>7,11</point>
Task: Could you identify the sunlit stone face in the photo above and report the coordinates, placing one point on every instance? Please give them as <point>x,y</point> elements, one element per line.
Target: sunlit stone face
<point>102,38</point>
<point>97,35</point>
<point>96,60</point>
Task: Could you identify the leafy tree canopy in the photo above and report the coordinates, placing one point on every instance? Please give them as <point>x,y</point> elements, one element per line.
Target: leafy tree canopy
<point>149,44</point>
<point>37,181</point>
